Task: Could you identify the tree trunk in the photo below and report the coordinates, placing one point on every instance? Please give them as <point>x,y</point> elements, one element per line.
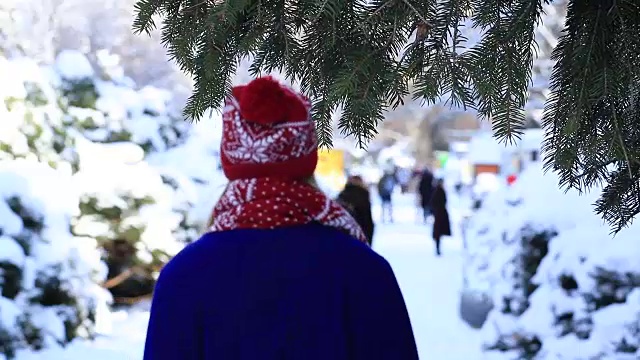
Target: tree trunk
<point>423,137</point>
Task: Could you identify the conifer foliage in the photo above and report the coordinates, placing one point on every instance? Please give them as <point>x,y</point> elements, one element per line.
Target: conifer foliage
<point>364,56</point>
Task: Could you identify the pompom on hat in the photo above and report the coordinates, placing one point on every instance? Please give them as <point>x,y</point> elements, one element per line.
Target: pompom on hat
<point>267,131</point>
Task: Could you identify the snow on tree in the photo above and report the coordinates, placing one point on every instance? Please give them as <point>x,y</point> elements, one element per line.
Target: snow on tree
<point>40,29</point>
<point>562,287</point>
<point>119,152</point>
<point>48,277</point>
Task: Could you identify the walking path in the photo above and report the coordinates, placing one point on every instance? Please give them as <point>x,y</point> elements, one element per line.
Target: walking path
<point>431,285</point>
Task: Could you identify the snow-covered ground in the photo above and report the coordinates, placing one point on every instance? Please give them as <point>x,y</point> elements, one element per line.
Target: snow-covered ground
<point>430,285</point>
<point>126,343</point>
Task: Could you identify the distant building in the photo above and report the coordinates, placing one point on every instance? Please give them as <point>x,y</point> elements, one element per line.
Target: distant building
<point>487,155</point>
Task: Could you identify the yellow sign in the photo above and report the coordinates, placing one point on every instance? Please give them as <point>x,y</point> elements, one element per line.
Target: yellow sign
<point>330,162</point>
<point>330,168</point>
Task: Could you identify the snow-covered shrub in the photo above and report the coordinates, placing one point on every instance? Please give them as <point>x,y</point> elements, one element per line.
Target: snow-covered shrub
<point>595,304</point>
<point>199,180</point>
<point>113,111</point>
<point>31,125</point>
<point>563,287</point>
<point>184,200</point>
<point>75,107</point>
<point>48,276</point>
<point>484,185</point>
<point>140,175</point>
<point>518,253</point>
<point>129,202</point>
<point>47,108</point>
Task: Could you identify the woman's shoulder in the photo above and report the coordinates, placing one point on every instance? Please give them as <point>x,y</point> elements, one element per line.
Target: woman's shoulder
<point>341,248</point>
<point>199,252</point>
<point>317,240</point>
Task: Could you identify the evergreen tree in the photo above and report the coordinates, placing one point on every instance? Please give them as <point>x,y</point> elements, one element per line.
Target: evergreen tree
<point>363,56</point>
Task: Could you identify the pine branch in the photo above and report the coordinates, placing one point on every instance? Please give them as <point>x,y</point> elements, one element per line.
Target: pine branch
<point>362,57</point>
<point>145,10</point>
<point>592,114</point>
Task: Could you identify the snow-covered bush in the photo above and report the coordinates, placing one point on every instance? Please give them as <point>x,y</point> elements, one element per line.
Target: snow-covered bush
<point>139,174</point>
<point>111,110</point>
<point>590,285</point>
<point>131,202</point>
<point>193,169</point>
<point>48,277</point>
<point>485,184</point>
<point>507,259</point>
<point>563,288</point>
<point>74,110</point>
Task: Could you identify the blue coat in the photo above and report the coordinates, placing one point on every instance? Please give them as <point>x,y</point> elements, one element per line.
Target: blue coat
<point>307,292</point>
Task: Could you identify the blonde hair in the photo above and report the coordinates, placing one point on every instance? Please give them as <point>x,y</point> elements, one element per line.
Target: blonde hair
<point>311,180</point>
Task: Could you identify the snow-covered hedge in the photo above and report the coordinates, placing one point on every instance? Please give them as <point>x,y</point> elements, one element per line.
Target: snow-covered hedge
<point>128,170</point>
<point>48,277</point>
<point>562,286</point>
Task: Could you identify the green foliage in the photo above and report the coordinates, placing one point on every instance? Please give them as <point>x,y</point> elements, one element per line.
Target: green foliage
<point>31,220</point>
<point>593,112</point>
<point>613,288</point>
<point>527,345</point>
<point>80,93</point>
<point>353,55</point>
<point>115,216</point>
<point>362,57</point>
<point>7,344</point>
<point>32,335</point>
<point>10,102</point>
<point>35,95</point>
<point>534,246</point>
<point>10,280</point>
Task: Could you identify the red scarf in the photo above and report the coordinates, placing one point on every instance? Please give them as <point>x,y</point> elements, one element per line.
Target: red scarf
<point>269,203</point>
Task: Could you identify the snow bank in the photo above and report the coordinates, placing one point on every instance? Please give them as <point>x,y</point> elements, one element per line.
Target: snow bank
<point>562,287</point>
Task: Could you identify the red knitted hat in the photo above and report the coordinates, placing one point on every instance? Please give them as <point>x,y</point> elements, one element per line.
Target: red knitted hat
<point>267,131</point>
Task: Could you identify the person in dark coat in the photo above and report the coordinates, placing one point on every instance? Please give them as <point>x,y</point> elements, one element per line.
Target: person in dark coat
<point>425,189</point>
<point>386,185</point>
<point>283,272</point>
<point>356,199</point>
<point>441,224</point>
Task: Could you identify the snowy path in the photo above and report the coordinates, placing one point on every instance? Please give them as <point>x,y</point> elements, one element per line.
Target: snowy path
<point>430,286</point>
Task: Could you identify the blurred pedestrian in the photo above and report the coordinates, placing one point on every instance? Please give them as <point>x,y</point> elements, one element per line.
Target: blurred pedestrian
<point>441,224</point>
<point>425,190</point>
<point>386,186</point>
<point>356,199</point>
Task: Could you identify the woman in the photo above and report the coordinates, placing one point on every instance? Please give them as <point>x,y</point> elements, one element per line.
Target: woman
<point>356,199</point>
<point>284,272</point>
<point>425,188</point>
<point>441,224</point>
